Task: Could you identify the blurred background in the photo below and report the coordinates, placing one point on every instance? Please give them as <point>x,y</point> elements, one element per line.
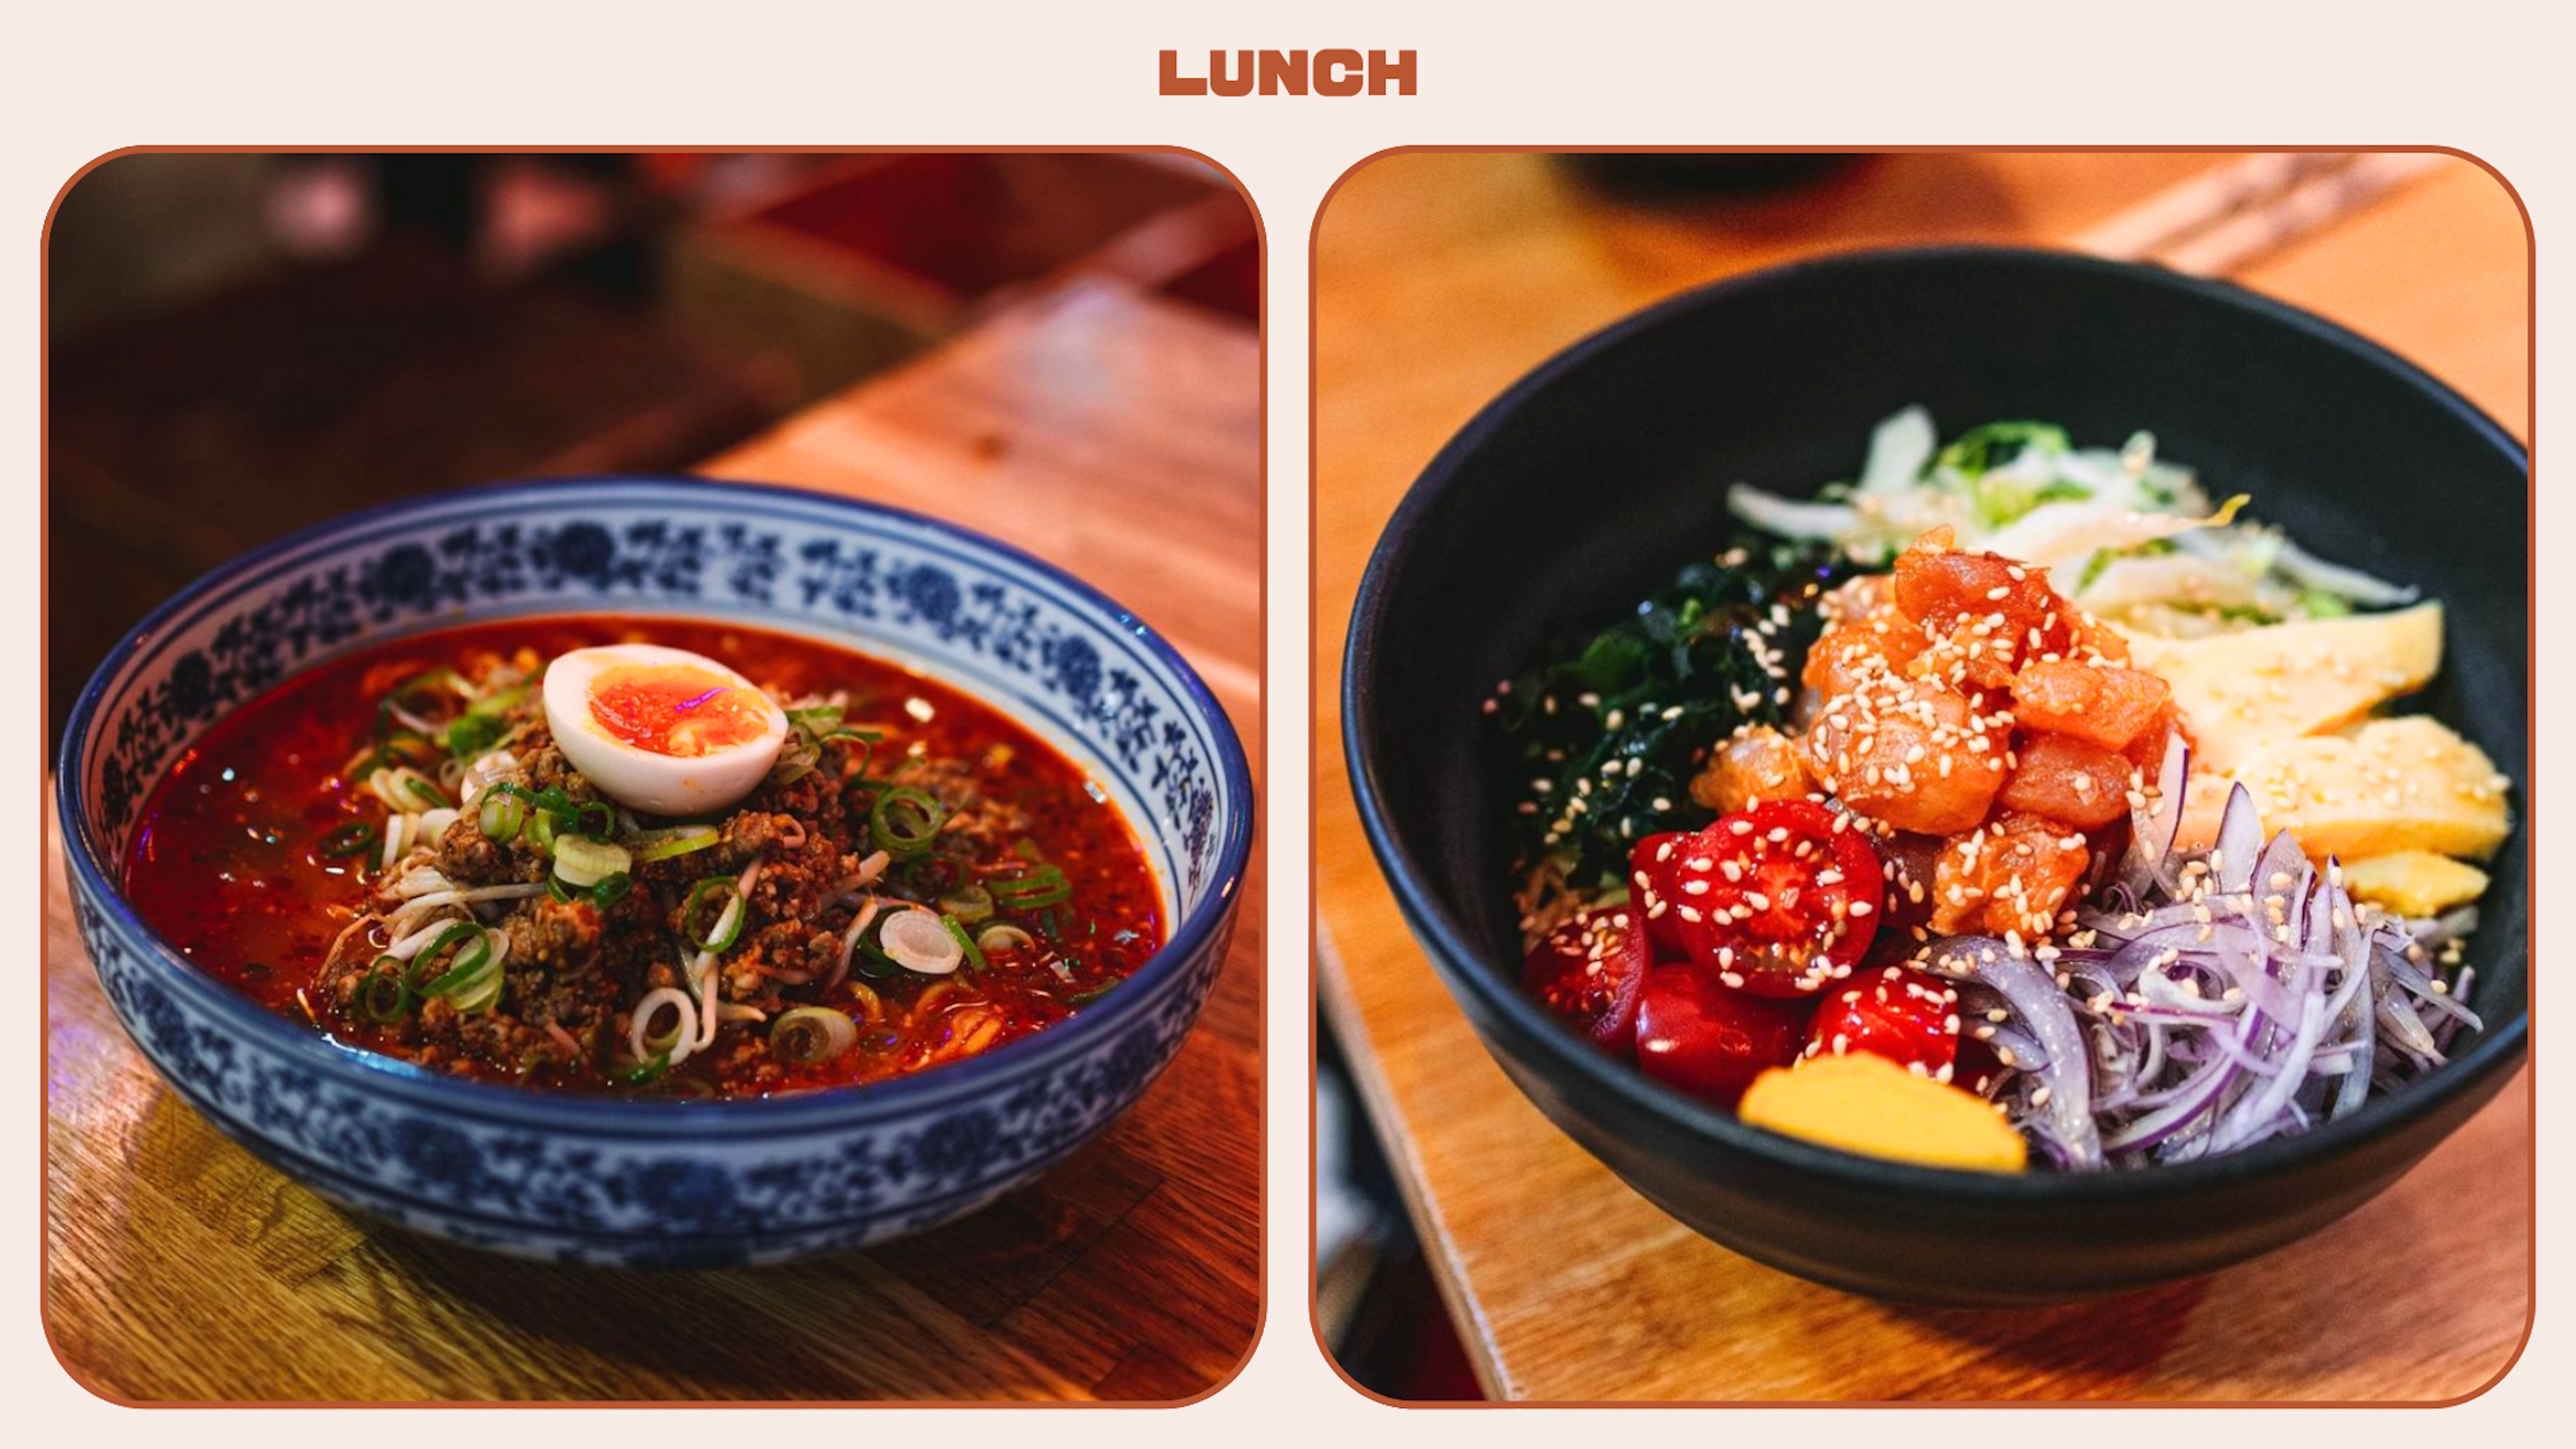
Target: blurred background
<point>239,345</point>
<point>1442,1199</point>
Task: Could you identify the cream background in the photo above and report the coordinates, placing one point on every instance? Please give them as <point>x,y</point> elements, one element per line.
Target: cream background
<point>80,81</point>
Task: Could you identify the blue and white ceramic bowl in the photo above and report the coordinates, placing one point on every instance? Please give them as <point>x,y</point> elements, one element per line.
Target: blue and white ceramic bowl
<point>663,1183</point>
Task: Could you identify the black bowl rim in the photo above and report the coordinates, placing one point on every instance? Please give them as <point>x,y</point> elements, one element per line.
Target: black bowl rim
<point>674,1120</point>
<point>2500,1046</point>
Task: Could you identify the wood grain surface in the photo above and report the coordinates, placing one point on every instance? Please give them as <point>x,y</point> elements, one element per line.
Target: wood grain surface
<point>1441,278</point>
<point>1113,434</point>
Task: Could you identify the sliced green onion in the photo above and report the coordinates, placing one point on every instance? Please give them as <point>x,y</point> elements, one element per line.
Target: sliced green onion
<point>1003,936</point>
<point>720,935</point>
<point>968,903</point>
<point>405,789</point>
<point>502,814</point>
<point>867,741</point>
<point>652,845</point>
<point>598,826</point>
<point>457,933</point>
<point>583,862</point>
<point>473,980</point>
<point>383,999</point>
<point>1085,998</point>
<point>815,719</point>
<point>906,820</point>
<point>796,761</point>
<point>482,725</point>
<point>919,940</point>
<point>611,890</point>
<point>541,831</point>
<point>1033,889</point>
<point>425,681</point>
<point>810,1035</point>
<point>965,943</point>
<point>354,838</point>
<point>472,733</point>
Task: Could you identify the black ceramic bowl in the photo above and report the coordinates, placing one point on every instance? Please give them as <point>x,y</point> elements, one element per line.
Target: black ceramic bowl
<point>1593,479</point>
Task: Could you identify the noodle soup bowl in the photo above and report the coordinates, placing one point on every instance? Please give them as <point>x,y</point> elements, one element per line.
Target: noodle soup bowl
<point>634,1182</point>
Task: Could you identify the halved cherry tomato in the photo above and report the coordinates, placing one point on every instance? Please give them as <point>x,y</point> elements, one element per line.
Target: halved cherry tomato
<point>1899,1013</point>
<point>1588,970</point>
<point>1709,1041</point>
<point>1650,888</point>
<point>1780,900</point>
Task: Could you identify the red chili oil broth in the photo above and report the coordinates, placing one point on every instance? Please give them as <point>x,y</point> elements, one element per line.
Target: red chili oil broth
<point>229,862</point>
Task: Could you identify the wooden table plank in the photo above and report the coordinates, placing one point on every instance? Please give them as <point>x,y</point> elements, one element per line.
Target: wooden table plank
<point>1440,280</point>
<point>1111,433</point>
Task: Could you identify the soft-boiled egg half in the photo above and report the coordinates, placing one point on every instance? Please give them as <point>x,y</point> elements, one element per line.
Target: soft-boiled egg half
<point>662,730</point>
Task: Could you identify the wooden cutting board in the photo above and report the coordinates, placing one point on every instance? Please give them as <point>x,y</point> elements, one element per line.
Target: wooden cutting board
<point>1443,278</point>
<point>1111,433</point>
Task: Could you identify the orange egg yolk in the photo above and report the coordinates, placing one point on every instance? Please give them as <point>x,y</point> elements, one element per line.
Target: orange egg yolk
<point>677,710</point>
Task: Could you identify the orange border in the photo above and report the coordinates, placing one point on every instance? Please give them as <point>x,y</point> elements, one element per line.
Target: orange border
<point>1314,766</point>
<point>1261,963</point>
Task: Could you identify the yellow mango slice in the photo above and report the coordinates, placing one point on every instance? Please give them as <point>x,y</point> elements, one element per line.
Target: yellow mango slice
<point>1870,1105</point>
<point>2241,692</point>
<point>2414,882</point>
<point>2380,787</point>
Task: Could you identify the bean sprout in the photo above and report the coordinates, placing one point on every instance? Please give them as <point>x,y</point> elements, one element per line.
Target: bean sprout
<point>702,971</point>
<point>850,942</point>
<point>683,1042</point>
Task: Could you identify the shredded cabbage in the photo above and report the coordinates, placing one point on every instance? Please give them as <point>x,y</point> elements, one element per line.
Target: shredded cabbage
<point>2135,534</point>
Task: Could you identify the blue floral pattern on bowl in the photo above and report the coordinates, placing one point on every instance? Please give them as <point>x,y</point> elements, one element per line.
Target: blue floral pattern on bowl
<point>663,1183</point>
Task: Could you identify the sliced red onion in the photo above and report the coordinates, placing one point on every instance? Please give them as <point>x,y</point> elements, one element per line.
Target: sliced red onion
<point>2240,840</point>
<point>2154,826</point>
<point>2222,1004</point>
<point>2031,994</point>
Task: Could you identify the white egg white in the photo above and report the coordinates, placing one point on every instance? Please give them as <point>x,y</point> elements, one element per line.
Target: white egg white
<point>641,779</point>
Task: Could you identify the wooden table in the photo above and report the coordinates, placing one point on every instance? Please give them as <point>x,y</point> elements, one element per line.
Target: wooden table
<point>1441,278</point>
<point>1116,435</point>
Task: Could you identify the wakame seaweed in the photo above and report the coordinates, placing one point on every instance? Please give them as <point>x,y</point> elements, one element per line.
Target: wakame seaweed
<point>1609,731</point>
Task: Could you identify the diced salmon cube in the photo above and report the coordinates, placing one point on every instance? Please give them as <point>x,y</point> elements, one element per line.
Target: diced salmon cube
<point>1860,647</point>
<point>1911,753</point>
<point>1983,613</point>
<point>2147,751</point>
<point>1759,765</point>
<point>2072,781</point>
<point>2093,637</point>
<point>2104,704</point>
<point>2013,875</point>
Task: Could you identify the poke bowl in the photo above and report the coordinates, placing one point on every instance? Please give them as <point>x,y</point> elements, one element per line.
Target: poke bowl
<point>1569,541</point>
<point>653,871</point>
